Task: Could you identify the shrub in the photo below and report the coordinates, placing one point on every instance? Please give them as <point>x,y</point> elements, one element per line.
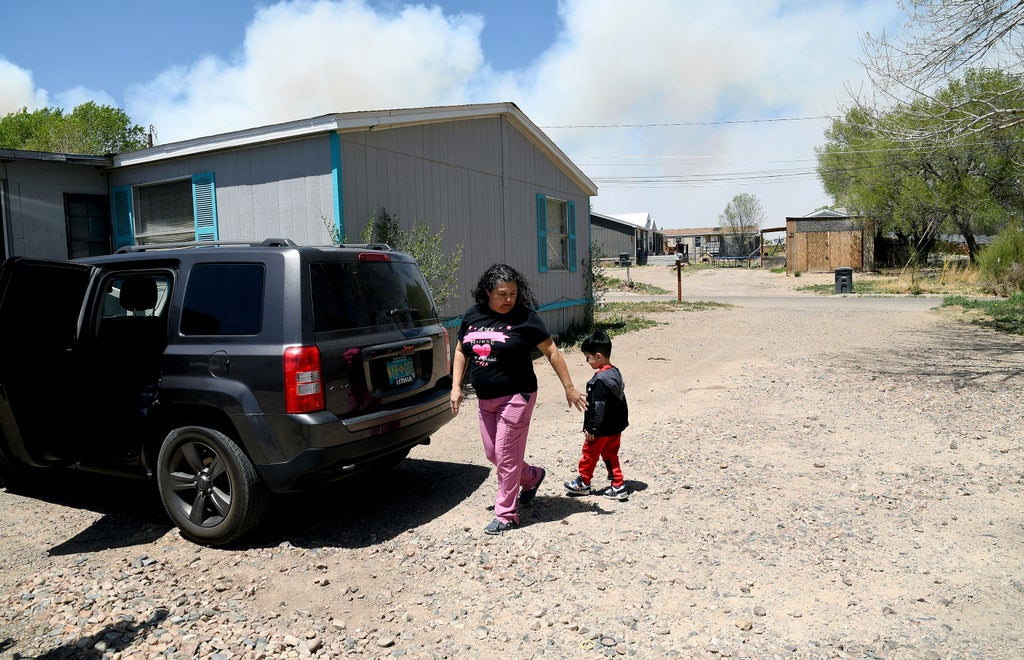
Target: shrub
<point>439,268</point>
<point>1002,263</point>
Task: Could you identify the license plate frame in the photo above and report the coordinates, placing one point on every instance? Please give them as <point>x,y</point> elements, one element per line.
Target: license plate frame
<point>401,370</point>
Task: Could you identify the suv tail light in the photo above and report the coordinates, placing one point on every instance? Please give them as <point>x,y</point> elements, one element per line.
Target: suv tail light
<point>303,387</point>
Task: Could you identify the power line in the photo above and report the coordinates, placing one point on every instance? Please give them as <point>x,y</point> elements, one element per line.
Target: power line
<point>692,123</point>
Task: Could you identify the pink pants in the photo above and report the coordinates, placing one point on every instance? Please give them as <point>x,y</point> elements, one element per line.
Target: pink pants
<point>504,425</point>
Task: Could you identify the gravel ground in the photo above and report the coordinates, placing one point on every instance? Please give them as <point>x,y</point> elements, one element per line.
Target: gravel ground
<point>819,477</point>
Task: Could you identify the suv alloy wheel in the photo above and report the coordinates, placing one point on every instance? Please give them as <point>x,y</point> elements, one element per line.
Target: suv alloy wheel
<point>208,486</point>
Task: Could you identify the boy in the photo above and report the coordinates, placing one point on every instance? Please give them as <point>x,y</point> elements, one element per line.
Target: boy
<point>604,420</point>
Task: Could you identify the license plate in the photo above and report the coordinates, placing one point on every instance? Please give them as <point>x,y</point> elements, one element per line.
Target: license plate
<point>401,371</point>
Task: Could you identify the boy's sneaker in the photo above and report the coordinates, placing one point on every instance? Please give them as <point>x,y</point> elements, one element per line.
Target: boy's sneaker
<point>617,493</point>
<point>577,487</point>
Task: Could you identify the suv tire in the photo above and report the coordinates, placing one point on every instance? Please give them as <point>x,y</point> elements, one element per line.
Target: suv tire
<point>208,486</point>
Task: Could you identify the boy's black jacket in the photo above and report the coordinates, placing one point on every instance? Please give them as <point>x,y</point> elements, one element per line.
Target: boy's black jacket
<point>607,412</point>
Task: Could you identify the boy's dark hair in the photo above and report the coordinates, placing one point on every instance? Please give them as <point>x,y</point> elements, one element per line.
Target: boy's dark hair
<point>598,342</point>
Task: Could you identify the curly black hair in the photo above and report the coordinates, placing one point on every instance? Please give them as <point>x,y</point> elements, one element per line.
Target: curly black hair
<point>504,273</point>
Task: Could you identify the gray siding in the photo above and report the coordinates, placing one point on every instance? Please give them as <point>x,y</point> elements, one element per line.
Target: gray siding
<point>34,204</point>
<point>826,224</point>
<point>279,190</point>
<point>479,179</point>
<point>612,240</point>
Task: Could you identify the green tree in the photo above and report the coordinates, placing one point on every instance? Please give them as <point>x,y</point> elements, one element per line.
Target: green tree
<point>741,218</point>
<point>88,129</point>
<point>440,269</point>
<point>965,185</point>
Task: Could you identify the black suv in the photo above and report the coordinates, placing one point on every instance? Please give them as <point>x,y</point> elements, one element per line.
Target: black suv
<point>228,371</point>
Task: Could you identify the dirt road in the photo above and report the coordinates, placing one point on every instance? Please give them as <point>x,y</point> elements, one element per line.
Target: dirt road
<point>817,477</point>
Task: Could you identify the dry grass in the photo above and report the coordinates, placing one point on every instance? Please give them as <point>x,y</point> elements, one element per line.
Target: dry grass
<point>948,281</point>
<point>965,281</point>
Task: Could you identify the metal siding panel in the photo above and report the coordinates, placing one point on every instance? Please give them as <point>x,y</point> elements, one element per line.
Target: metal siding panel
<point>38,226</point>
<point>256,187</point>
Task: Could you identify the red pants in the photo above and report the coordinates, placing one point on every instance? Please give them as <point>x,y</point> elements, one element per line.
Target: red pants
<point>605,447</point>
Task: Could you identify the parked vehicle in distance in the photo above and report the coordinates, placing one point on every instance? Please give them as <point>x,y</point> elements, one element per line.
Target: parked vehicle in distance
<point>228,372</point>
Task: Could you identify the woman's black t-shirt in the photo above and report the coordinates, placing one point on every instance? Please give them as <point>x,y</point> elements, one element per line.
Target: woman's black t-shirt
<point>497,348</point>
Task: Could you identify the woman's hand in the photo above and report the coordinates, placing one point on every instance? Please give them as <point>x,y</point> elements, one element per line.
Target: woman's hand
<point>458,371</point>
<point>456,400</point>
<point>554,356</point>
<point>576,398</point>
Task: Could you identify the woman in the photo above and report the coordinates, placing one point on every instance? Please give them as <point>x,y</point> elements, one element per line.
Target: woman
<point>496,338</point>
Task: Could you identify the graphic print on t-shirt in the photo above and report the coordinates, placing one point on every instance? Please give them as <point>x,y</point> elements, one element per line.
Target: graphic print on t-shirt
<point>482,339</point>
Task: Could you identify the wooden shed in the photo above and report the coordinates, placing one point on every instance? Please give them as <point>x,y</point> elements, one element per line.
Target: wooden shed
<point>826,240</point>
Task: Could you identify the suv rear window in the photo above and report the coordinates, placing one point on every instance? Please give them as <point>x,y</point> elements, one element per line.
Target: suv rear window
<point>223,299</point>
<point>355,295</point>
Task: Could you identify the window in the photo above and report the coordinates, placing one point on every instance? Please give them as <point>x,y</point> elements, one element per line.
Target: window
<point>223,299</point>
<point>165,213</point>
<point>88,222</point>
<point>556,234</point>
<point>170,212</point>
<point>356,295</point>
<point>136,301</point>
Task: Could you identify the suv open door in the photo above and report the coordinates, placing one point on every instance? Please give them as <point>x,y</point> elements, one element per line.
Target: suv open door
<point>41,390</point>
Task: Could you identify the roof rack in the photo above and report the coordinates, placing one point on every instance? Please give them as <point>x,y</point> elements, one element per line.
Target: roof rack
<point>269,242</point>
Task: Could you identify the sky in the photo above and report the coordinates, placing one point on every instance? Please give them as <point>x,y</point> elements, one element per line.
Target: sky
<point>672,107</point>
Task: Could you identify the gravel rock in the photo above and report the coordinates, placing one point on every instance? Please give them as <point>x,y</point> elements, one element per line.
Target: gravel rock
<point>810,477</point>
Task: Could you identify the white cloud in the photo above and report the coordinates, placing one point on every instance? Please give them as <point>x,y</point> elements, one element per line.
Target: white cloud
<point>76,96</point>
<point>303,59</point>
<point>17,90</point>
<point>669,62</point>
<point>614,62</point>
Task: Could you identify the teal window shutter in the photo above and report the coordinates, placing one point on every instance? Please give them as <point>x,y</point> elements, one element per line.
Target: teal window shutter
<point>571,220</point>
<point>204,203</point>
<point>121,212</point>
<point>337,190</point>
<point>542,234</point>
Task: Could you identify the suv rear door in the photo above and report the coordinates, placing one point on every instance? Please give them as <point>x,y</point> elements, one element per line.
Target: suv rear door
<point>377,330</point>
<point>41,387</point>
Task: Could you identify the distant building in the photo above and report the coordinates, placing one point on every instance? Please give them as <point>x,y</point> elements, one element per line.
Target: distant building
<point>825,240</point>
<point>649,238</point>
<point>707,243</point>
<point>611,236</point>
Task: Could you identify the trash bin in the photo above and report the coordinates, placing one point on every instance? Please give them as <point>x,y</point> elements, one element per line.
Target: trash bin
<point>624,259</point>
<point>844,280</point>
